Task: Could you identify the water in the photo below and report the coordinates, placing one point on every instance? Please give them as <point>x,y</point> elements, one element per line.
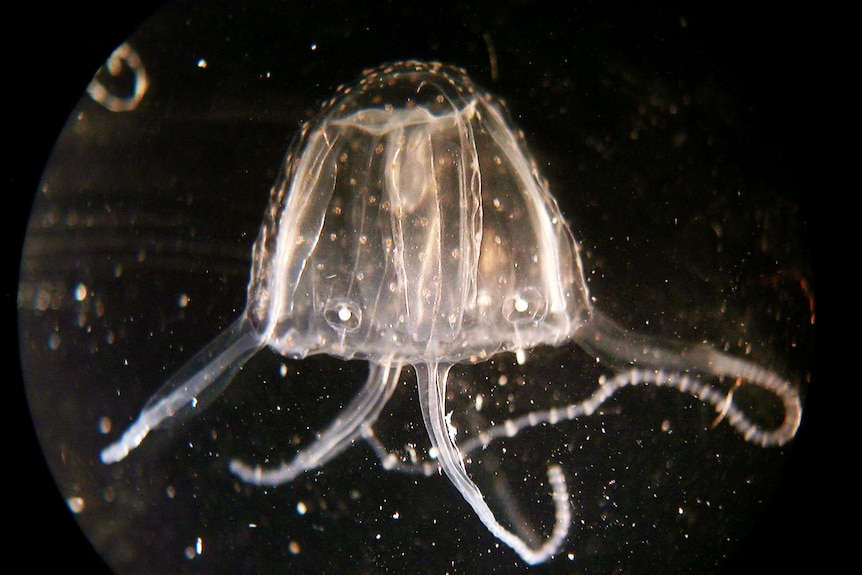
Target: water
<point>701,281</point>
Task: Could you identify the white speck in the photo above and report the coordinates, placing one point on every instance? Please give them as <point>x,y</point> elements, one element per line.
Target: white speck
<point>313,47</point>
<point>396,515</point>
<point>54,342</point>
<point>76,504</point>
<point>80,292</point>
<point>191,552</point>
<point>202,63</point>
<point>301,508</point>
<point>453,431</point>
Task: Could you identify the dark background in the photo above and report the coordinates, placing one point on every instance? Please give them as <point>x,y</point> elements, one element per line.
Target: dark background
<point>768,58</point>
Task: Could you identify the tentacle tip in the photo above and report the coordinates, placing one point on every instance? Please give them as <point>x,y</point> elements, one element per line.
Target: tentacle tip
<point>114,453</point>
<point>243,470</point>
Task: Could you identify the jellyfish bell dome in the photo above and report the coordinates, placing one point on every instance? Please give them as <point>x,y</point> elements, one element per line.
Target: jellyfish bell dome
<point>410,224</point>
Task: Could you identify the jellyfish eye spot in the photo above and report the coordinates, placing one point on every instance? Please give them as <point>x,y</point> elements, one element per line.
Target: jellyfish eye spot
<point>342,315</point>
<point>525,306</point>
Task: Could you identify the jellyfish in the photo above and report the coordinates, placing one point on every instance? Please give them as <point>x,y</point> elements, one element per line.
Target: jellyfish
<point>409,226</point>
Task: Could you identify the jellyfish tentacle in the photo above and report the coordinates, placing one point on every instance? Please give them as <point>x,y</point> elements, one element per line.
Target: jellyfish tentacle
<point>747,372</point>
<point>390,461</point>
<point>617,347</point>
<point>426,467</point>
<point>432,392</point>
<point>358,415</point>
<point>192,388</point>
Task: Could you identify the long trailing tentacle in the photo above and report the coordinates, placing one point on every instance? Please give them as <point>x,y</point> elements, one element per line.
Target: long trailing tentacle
<point>432,393</point>
<point>668,364</point>
<point>192,388</point>
<point>358,415</point>
<point>722,403</point>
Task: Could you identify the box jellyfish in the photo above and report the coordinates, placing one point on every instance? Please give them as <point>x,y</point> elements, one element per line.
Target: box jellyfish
<point>409,226</point>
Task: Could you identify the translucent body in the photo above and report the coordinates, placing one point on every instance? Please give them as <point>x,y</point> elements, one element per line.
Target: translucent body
<point>410,227</point>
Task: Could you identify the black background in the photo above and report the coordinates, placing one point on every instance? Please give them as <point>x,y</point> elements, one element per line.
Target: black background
<point>52,62</point>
